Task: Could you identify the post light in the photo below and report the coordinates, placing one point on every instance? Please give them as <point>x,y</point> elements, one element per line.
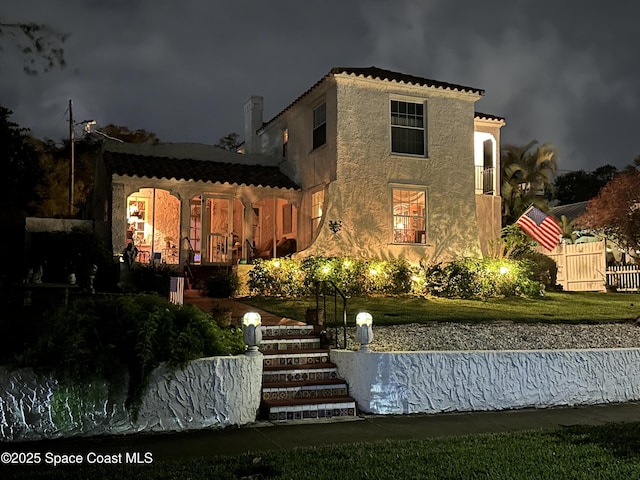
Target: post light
<point>504,270</point>
<point>251,332</point>
<point>364,330</point>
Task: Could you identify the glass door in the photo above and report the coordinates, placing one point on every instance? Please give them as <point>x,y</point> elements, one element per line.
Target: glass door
<point>216,230</point>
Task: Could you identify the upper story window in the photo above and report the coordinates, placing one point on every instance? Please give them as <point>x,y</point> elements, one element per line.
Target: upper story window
<point>285,142</point>
<point>407,128</point>
<point>320,125</point>
<point>409,216</point>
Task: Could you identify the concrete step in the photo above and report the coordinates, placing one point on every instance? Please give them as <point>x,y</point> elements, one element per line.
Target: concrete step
<point>297,390</point>
<point>303,409</point>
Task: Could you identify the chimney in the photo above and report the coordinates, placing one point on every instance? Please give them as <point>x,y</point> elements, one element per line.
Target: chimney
<point>252,122</point>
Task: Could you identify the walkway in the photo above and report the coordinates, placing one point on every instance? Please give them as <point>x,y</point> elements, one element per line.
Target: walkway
<point>269,437</point>
<point>238,309</point>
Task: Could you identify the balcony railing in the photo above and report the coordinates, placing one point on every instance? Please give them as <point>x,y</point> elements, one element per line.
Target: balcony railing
<point>484,180</point>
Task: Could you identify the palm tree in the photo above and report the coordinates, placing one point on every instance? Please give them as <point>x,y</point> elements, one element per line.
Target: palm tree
<point>527,172</point>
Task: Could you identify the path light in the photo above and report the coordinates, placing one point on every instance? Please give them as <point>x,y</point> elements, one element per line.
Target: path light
<point>251,332</point>
<point>364,331</point>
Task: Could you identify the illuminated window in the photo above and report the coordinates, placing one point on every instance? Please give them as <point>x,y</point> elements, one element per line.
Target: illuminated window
<point>317,199</point>
<point>285,142</point>
<point>319,125</point>
<point>407,128</point>
<point>409,216</point>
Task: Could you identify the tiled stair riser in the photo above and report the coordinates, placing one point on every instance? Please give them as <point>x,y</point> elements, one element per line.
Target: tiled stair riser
<point>314,391</point>
<point>312,411</point>
<point>299,375</point>
<point>286,330</point>
<point>295,360</point>
<point>298,344</point>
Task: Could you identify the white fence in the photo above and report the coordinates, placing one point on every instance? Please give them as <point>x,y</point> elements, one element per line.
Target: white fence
<point>625,278</point>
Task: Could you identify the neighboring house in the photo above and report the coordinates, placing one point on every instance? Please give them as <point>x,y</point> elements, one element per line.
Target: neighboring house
<point>365,163</point>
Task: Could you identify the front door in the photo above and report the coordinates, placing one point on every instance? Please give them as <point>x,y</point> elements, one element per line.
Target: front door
<point>216,230</point>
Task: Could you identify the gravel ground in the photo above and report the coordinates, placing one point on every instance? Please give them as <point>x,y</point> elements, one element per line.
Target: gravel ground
<point>499,336</point>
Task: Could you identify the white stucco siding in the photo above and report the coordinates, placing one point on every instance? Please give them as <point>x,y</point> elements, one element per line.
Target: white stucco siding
<point>210,392</point>
<point>360,197</point>
<point>431,382</point>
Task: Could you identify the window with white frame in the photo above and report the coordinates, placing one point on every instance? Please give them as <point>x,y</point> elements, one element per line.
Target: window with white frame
<point>317,200</point>
<point>409,215</point>
<point>320,125</point>
<point>407,128</point>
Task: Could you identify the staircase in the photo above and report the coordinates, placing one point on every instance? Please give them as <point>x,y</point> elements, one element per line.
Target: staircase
<point>299,382</point>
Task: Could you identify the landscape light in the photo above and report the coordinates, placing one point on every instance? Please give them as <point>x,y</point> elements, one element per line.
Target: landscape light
<point>364,330</point>
<point>252,332</point>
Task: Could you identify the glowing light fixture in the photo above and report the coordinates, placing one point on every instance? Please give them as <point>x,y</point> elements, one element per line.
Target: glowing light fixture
<point>251,332</point>
<point>364,330</point>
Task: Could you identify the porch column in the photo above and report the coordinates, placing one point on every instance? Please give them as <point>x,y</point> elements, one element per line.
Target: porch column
<point>185,227</point>
<point>118,218</point>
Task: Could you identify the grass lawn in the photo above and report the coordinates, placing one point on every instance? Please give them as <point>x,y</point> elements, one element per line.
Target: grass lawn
<point>579,307</point>
<point>594,452</point>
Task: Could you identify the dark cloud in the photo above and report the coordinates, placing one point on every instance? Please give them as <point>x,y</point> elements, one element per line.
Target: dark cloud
<point>564,74</point>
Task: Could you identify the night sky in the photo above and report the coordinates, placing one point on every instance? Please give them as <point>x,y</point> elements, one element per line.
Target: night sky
<point>565,73</point>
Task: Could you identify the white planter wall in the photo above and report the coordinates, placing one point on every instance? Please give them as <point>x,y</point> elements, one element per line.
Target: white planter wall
<point>431,382</point>
<point>217,391</point>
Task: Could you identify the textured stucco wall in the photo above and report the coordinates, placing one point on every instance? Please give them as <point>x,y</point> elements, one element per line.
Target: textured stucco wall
<point>431,382</point>
<point>360,194</point>
<point>217,391</point>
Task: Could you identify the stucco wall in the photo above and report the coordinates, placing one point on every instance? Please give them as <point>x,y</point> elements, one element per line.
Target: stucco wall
<point>431,382</point>
<point>217,391</point>
<point>360,195</point>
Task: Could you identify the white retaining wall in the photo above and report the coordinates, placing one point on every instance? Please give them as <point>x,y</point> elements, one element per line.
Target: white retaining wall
<point>217,391</point>
<point>431,382</point>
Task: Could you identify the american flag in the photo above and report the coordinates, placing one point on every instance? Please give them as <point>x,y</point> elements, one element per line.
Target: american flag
<point>541,227</point>
<point>176,290</point>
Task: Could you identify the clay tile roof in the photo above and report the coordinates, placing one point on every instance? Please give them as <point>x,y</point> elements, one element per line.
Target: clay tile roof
<point>488,116</point>
<point>380,74</point>
<point>197,170</point>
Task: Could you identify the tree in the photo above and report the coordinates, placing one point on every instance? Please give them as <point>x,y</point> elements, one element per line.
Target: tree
<point>21,172</point>
<point>526,173</point>
<point>580,186</point>
<point>54,162</point>
<point>230,142</point>
<point>615,212</point>
<point>130,136</point>
<point>39,45</point>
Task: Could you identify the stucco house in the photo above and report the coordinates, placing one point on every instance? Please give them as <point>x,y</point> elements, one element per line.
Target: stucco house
<point>366,163</point>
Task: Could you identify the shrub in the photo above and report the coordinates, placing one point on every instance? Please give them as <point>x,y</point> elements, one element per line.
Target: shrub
<point>481,278</point>
<point>290,278</point>
<point>150,278</point>
<point>108,337</point>
<point>543,268</point>
<point>222,284</point>
<point>280,277</point>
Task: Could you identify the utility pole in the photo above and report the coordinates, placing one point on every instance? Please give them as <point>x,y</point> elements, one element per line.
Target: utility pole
<point>72,167</point>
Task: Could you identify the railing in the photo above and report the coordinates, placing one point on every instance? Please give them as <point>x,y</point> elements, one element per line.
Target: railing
<point>624,278</point>
<point>332,291</point>
<point>484,180</point>
<point>189,260</point>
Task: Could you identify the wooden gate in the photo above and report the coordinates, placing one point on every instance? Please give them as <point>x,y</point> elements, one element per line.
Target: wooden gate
<point>581,267</point>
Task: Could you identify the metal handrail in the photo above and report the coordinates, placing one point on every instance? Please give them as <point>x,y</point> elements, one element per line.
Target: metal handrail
<point>187,262</point>
<point>336,292</point>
